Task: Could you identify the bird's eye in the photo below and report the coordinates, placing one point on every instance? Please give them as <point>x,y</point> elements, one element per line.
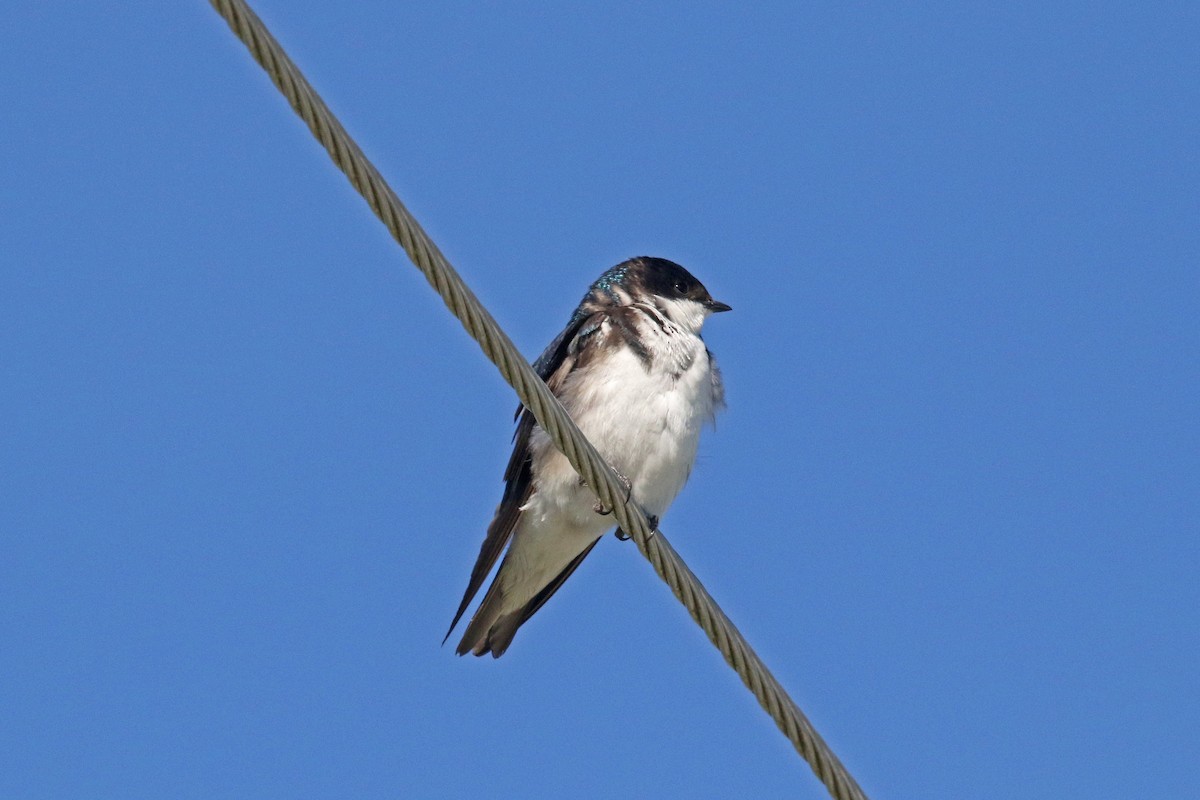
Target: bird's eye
<point>681,287</point>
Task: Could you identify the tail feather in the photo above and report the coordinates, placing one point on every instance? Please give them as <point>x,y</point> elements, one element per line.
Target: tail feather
<point>495,623</point>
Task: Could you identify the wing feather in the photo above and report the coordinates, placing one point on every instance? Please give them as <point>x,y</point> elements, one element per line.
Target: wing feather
<point>552,366</point>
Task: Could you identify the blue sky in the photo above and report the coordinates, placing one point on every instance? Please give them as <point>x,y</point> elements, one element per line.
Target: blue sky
<point>248,457</point>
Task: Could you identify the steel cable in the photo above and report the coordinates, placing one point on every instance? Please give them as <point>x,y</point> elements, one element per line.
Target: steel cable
<point>535,395</point>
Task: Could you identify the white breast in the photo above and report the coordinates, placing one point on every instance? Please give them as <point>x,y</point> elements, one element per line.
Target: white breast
<point>644,419</point>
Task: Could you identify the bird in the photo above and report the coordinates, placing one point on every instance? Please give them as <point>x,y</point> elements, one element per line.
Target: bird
<point>635,375</point>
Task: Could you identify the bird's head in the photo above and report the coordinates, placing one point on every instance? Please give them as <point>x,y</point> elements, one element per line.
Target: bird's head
<point>656,282</point>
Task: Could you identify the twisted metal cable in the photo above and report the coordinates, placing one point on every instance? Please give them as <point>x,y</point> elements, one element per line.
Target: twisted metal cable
<point>534,394</point>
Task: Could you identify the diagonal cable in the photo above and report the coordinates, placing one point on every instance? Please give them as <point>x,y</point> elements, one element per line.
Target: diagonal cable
<point>534,394</point>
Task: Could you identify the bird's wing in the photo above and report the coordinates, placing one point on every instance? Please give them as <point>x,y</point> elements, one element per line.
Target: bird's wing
<point>552,366</point>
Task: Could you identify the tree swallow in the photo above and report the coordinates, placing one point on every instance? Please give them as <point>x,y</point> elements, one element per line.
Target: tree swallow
<point>635,376</point>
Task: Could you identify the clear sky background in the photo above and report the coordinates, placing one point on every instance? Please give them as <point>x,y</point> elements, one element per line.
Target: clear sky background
<point>248,457</point>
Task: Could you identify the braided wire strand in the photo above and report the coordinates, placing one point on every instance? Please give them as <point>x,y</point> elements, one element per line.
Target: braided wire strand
<point>535,395</point>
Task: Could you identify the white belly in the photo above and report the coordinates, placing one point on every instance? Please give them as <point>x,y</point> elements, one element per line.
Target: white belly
<point>646,424</point>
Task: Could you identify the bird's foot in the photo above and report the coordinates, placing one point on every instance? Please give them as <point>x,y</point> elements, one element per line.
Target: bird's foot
<point>650,518</point>
<point>599,506</point>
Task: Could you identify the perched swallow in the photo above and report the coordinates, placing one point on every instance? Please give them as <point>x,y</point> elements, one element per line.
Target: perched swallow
<point>634,374</point>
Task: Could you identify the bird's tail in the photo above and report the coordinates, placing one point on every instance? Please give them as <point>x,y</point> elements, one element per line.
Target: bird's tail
<point>495,623</point>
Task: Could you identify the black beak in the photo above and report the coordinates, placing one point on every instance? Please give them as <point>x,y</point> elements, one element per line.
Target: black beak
<point>716,305</point>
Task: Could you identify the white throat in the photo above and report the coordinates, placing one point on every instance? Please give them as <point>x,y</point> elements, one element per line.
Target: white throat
<point>687,314</point>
